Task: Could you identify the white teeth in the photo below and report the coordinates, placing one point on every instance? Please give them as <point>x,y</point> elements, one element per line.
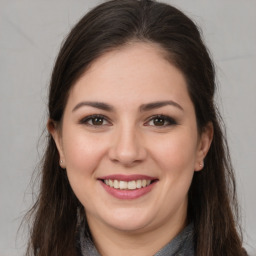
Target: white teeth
<point>111,183</point>
<point>139,183</point>
<point>116,184</point>
<point>131,185</point>
<point>123,184</point>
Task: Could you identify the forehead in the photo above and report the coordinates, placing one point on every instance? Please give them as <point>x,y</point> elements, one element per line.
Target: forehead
<point>135,71</point>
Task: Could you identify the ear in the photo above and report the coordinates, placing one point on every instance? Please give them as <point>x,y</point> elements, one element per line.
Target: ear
<point>55,132</point>
<point>204,144</point>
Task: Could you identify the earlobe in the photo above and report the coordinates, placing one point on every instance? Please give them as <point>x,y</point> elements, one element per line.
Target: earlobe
<point>55,133</point>
<point>204,145</point>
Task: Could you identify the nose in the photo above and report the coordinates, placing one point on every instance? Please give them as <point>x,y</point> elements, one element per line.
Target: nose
<point>127,147</point>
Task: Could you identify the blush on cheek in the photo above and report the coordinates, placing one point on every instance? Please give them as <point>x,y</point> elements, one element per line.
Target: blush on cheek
<point>82,155</point>
<point>175,157</point>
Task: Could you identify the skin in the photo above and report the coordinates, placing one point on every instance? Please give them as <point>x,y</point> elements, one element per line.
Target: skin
<point>130,141</point>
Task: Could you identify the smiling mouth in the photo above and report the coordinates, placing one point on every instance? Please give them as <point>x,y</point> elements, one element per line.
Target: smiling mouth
<point>128,185</point>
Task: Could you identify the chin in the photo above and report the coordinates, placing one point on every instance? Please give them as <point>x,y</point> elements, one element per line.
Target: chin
<point>128,221</point>
<point>126,226</point>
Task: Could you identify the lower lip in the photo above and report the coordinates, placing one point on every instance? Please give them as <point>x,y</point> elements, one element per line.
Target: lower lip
<point>127,193</point>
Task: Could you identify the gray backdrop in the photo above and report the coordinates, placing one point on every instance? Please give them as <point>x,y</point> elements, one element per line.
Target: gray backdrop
<point>31,32</point>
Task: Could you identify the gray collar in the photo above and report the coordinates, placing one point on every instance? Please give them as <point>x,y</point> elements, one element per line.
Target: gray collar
<point>181,245</point>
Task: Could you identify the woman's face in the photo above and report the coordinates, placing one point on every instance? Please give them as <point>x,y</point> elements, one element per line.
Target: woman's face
<point>129,140</point>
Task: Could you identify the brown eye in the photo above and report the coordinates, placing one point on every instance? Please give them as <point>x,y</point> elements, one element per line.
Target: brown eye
<point>95,120</point>
<point>161,121</point>
<point>158,121</point>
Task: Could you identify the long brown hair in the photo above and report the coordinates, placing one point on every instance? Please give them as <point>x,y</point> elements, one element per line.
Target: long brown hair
<point>212,195</point>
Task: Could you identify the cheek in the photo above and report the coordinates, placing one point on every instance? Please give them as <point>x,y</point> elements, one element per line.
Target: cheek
<point>176,153</point>
<point>175,157</point>
<point>82,152</point>
<point>82,156</point>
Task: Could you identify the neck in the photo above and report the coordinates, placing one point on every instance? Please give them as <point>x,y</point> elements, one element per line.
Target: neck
<point>109,241</point>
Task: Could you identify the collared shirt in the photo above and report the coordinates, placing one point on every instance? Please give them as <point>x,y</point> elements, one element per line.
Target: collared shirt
<point>181,245</point>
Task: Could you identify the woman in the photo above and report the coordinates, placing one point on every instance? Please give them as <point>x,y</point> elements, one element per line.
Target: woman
<point>136,162</point>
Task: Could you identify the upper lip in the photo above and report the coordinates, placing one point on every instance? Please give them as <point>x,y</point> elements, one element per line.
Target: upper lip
<point>127,177</point>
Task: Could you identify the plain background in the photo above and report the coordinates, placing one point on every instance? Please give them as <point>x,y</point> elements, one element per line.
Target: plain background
<point>31,32</point>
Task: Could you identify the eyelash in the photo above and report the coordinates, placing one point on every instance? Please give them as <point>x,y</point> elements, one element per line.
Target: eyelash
<point>169,120</point>
<point>87,119</point>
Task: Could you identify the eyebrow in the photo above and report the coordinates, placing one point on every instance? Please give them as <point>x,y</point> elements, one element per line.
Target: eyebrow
<point>159,104</point>
<point>143,107</point>
<point>99,105</point>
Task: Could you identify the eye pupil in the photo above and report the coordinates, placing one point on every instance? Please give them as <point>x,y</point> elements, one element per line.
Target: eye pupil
<point>159,121</point>
<point>97,121</point>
